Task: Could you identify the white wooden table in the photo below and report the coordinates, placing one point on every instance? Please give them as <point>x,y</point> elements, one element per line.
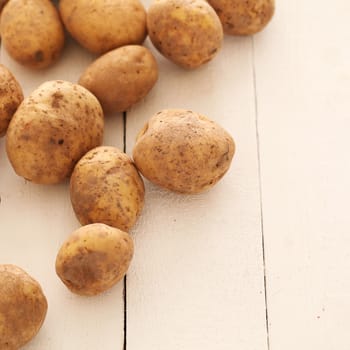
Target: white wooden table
<point>260,262</point>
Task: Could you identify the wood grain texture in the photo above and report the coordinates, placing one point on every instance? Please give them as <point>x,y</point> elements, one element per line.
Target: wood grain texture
<point>303,78</point>
<point>196,281</point>
<point>35,221</point>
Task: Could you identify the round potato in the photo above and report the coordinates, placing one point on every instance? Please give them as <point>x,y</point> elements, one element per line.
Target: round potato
<point>187,32</point>
<point>243,17</point>
<point>52,129</point>
<point>11,96</point>
<point>121,77</point>
<point>106,187</point>
<point>94,258</point>
<point>23,307</point>
<point>103,25</point>
<point>183,151</point>
<point>32,32</point>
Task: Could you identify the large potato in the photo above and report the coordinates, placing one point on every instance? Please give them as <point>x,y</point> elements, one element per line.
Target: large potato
<point>32,32</point>
<point>52,129</point>
<point>94,258</point>
<point>187,32</point>
<point>103,25</point>
<point>11,96</point>
<point>106,187</point>
<point>183,151</point>
<point>121,77</point>
<point>23,307</point>
<point>243,17</point>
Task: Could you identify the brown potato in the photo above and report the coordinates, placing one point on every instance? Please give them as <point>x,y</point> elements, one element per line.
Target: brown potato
<point>243,17</point>
<point>32,32</point>
<point>94,258</point>
<point>106,187</point>
<point>102,25</point>
<point>121,77</point>
<point>52,129</point>
<point>183,151</point>
<point>187,32</point>
<point>23,307</point>
<point>11,96</point>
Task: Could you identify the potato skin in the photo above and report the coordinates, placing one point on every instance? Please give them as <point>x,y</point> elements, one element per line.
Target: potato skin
<point>183,151</point>
<point>187,32</point>
<point>243,17</point>
<point>106,187</point>
<point>121,77</point>
<point>32,32</point>
<point>103,25</point>
<point>23,307</point>
<point>52,129</point>
<point>94,258</point>
<point>11,95</point>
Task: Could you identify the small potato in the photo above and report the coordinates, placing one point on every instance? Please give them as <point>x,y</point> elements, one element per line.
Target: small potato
<point>52,129</point>
<point>243,17</point>
<point>32,32</point>
<point>183,151</point>
<point>104,25</point>
<point>23,307</point>
<point>106,187</point>
<point>11,96</point>
<point>94,258</point>
<point>121,77</point>
<point>187,32</point>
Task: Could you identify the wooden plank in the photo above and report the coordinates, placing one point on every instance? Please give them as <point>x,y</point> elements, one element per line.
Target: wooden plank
<point>36,219</point>
<point>196,281</point>
<point>303,75</point>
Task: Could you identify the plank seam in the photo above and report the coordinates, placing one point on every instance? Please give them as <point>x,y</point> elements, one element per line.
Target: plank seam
<point>260,192</point>
<point>125,277</point>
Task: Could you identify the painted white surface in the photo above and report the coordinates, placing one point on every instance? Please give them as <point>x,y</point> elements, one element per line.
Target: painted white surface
<point>36,219</point>
<point>303,92</point>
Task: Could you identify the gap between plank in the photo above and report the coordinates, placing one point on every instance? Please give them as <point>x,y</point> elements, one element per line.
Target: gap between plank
<point>125,277</point>
<point>260,191</point>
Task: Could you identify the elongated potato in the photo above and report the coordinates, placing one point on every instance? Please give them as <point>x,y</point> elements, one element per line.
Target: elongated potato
<point>244,17</point>
<point>183,151</point>
<point>103,25</point>
<point>32,32</point>
<point>187,32</point>
<point>94,258</point>
<point>121,77</point>
<point>23,307</point>
<point>106,187</point>
<point>52,129</point>
<point>11,96</point>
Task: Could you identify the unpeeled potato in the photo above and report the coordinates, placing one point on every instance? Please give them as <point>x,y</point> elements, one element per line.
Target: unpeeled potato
<point>106,187</point>
<point>94,258</point>
<point>23,307</point>
<point>244,17</point>
<point>121,77</point>
<point>32,32</point>
<point>183,151</point>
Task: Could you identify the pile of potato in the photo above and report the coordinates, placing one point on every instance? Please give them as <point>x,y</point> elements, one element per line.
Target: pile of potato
<point>56,132</point>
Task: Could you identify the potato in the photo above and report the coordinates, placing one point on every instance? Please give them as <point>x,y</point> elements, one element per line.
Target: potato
<point>23,307</point>
<point>105,187</point>
<point>32,32</point>
<point>52,129</point>
<point>94,258</point>
<point>243,17</point>
<point>121,77</point>
<point>103,25</point>
<point>183,151</point>
<point>187,32</point>
<point>11,96</point>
